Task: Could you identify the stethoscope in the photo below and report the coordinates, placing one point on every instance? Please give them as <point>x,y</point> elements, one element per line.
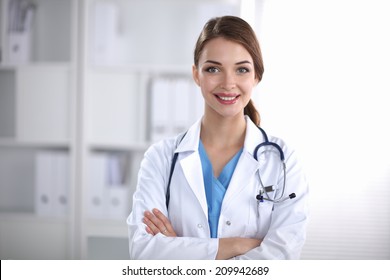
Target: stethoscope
<point>264,190</point>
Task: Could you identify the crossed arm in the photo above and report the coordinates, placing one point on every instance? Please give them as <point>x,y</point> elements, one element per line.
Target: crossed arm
<point>156,222</point>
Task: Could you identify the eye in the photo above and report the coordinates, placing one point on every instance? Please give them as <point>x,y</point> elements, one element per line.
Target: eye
<point>212,69</point>
<point>242,70</point>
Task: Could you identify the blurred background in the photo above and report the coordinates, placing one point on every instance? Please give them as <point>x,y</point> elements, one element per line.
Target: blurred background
<point>86,86</point>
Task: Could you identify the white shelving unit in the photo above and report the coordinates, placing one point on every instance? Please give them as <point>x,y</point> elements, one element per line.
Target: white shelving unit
<point>37,91</point>
<point>85,92</point>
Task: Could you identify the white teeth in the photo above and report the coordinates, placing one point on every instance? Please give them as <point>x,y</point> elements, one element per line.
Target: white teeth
<point>227,98</point>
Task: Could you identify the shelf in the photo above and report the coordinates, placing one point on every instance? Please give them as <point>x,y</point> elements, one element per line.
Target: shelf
<point>43,64</point>
<point>131,147</point>
<point>22,217</point>
<point>12,143</point>
<point>106,228</point>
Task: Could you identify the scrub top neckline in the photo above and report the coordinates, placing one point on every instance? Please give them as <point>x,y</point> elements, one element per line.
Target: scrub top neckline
<point>227,171</point>
<point>215,188</point>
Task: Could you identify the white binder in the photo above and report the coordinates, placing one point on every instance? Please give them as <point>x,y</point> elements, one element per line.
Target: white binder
<point>161,99</point>
<point>108,195</point>
<point>62,184</point>
<point>96,196</point>
<point>19,50</point>
<point>44,178</point>
<point>118,202</point>
<point>52,183</point>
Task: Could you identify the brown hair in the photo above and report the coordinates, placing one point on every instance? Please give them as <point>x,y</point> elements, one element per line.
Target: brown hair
<point>237,30</point>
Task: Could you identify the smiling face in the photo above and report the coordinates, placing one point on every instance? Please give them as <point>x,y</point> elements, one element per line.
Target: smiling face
<point>225,73</point>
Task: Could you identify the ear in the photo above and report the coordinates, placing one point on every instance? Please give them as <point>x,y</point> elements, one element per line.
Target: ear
<point>195,74</point>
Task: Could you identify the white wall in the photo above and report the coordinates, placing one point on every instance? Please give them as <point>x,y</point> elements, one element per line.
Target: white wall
<point>325,91</point>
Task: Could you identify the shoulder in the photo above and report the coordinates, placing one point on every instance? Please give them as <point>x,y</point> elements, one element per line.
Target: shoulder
<point>280,141</point>
<point>286,147</point>
<point>165,148</point>
<point>182,142</point>
<point>291,158</point>
<point>157,158</point>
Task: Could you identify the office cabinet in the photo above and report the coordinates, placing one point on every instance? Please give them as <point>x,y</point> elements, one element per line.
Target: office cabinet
<point>79,91</point>
<point>37,93</point>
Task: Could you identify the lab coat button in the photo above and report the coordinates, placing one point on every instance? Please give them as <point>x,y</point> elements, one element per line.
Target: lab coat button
<point>228,223</point>
<point>200,226</point>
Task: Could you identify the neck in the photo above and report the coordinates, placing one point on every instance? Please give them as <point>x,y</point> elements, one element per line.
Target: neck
<point>223,131</point>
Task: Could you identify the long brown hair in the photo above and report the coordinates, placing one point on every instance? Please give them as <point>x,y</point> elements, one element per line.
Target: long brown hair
<point>237,30</point>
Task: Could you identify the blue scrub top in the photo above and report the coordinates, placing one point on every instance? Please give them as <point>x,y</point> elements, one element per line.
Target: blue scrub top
<point>216,187</point>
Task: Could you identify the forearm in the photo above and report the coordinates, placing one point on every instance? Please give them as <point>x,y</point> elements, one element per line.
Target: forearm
<point>146,246</point>
<point>235,246</point>
<point>156,222</point>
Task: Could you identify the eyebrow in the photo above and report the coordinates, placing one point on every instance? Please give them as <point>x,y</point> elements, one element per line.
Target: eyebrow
<point>219,63</point>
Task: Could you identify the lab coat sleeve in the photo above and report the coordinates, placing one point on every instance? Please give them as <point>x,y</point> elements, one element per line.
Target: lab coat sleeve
<point>150,193</point>
<point>287,232</point>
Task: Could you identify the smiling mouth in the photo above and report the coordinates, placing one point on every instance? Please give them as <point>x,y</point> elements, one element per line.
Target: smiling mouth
<point>225,99</point>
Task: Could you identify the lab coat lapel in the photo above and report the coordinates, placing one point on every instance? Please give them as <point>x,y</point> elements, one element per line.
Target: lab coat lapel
<point>189,160</point>
<point>193,173</point>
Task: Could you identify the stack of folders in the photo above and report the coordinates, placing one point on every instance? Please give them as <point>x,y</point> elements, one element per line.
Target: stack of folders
<point>175,103</point>
<point>109,187</point>
<point>21,13</point>
<point>52,178</point>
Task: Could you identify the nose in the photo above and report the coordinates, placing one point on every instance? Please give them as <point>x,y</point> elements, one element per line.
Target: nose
<point>228,81</point>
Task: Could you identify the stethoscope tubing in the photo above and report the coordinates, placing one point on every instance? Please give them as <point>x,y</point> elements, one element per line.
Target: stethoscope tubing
<point>267,143</point>
<point>260,197</point>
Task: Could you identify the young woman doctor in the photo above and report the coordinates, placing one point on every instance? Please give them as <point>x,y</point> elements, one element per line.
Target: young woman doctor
<point>215,211</point>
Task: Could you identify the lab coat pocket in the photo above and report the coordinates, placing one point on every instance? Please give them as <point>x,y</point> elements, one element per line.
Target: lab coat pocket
<point>264,217</point>
<point>260,219</point>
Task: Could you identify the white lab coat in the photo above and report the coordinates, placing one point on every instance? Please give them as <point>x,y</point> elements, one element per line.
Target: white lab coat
<point>281,226</point>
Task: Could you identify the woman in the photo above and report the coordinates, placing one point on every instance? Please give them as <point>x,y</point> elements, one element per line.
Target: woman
<point>214,210</point>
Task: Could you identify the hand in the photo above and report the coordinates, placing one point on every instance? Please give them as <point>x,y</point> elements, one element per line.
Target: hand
<point>156,222</point>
